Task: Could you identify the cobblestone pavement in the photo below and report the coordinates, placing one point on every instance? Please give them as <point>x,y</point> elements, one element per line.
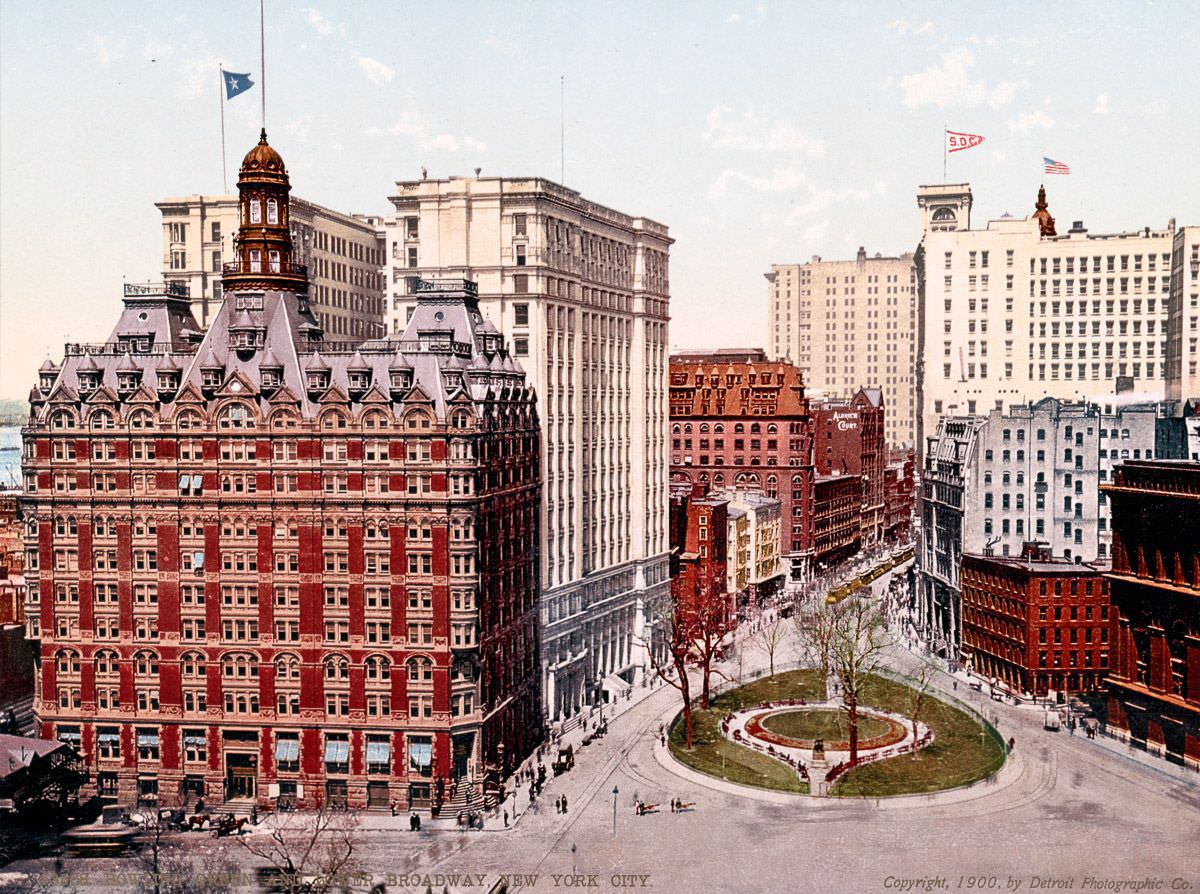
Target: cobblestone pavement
<point>1066,813</point>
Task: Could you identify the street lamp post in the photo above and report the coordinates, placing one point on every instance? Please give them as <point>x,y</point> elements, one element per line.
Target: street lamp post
<point>615,792</point>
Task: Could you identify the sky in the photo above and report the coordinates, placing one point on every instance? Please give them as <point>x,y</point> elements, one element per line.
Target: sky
<point>760,133</point>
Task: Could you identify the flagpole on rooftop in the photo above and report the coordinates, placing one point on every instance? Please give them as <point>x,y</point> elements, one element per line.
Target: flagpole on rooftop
<point>262,61</point>
<point>221,101</point>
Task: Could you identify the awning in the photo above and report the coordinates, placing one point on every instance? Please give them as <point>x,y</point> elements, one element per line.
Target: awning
<point>337,751</point>
<point>147,740</point>
<point>379,752</point>
<point>287,749</point>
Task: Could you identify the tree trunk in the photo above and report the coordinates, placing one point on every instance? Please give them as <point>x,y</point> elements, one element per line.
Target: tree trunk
<point>704,689</point>
<point>685,691</point>
<point>852,709</point>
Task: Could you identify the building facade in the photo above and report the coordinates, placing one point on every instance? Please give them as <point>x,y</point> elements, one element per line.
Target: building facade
<point>343,255</point>
<point>1183,317</point>
<point>755,563</point>
<point>849,324</point>
<point>1018,311</point>
<point>848,439</point>
<point>1035,625</point>
<point>899,489</point>
<point>582,293</point>
<point>837,519</point>
<point>739,420</point>
<point>269,568</point>
<point>699,532</point>
<point>1033,473</point>
<point>1154,683</point>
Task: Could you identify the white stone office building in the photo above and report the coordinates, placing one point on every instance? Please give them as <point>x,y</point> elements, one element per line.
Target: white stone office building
<point>850,324</point>
<point>993,483</point>
<point>1019,311</point>
<point>1183,317</point>
<point>581,291</point>
<point>343,253</point>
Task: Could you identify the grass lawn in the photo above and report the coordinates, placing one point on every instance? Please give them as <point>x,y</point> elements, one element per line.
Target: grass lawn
<point>832,726</point>
<point>957,756</point>
<point>717,756</point>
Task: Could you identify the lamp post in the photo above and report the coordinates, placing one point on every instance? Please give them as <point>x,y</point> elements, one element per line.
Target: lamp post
<point>615,792</point>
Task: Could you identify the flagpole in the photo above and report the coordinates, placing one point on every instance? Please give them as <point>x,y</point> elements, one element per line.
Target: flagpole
<point>562,129</point>
<point>262,61</point>
<point>221,101</point>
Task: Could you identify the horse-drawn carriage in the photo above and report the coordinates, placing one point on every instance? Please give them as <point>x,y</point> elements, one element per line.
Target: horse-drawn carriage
<point>565,760</point>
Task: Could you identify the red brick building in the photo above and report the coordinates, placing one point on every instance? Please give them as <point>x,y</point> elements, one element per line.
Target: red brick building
<point>848,440</point>
<point>264,566</point>
<point>1154,684</point>
<point>899,492</point>
<point>699,543</point>
<point>1035,624</point>
<point>837,519</point>
<point>741,421</point>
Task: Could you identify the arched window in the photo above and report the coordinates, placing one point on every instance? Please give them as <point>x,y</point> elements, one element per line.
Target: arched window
<point>287,684</point>
<point>272,211</point>
<point>333,419</point>
<point>703,428</point>
<point>283,419</point>
<point>374,420</point>
<point>67,662</point>
<point>378,686</point>
<point>145,664</point>
<point>255,211</point>
<point>719,429</point>
<point>102,419</point>
<point>239,684</point>
<point>416,420</point>
<point>337,686</point>
<point>687,429</point>
<point>61,419</point>
<point>189,419</point>
<point>140,420</point>
<point>235,416</point>
<point>192,666</point>
<point>460,419</point>
<point>772,429</point>
<point>106,663</point>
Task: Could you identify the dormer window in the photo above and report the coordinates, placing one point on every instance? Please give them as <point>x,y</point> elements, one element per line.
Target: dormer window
<point>255,261</point>
<point>273,258</point>
<point>401,379</point>
<point>89,381</point>
<point>359,380</point>
<point>272,211</point>
<point>255,211</point>
<point>127,382</point>
<point>452,380</point>
<point>318,380</point>
<point>212,377</point>
<point>271,377</point>
<point>168,381</point>
<point>46,381</point>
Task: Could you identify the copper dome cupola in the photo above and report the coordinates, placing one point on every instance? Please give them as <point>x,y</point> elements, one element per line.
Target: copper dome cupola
<point>264,255</point>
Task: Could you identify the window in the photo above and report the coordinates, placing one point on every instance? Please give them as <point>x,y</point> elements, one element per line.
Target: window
<point>287,752</point>
<point>255,211</point>
<point>272,212</point>
<point>337,753</point>
<point>521,314</point>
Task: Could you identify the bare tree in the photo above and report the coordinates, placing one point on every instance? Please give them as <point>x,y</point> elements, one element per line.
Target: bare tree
<point>308,851</point>
<point>770,636</point>
<point>922,683</point>
<point>671,664</point>
<point>816,624</point>
<point>166,869</point>
<point>856,649</point>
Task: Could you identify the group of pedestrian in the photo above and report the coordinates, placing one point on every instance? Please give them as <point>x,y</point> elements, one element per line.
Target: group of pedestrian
<point>470,819</point>
<point>676,805</point>
<point>560,804</point>
<point>414,822</point>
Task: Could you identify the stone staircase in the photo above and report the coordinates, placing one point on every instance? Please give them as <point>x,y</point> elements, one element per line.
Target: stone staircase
<point>23,709</point>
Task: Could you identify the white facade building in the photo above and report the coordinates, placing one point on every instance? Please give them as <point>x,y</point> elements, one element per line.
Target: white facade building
<point>1017,311</point>
<point>850,324</point>
<point>343,253</point>
<point>1183,317</point>
<point>993,483</point>
<point>581,292</point>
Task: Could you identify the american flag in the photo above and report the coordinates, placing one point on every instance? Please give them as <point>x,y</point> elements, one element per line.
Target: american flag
<point>1055,167</point>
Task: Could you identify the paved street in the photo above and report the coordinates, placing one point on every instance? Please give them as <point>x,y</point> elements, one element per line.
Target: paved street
<point>1064,809</point>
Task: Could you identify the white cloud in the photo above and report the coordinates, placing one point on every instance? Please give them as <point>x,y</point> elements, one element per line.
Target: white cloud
<point>376,71</point>
<point>950,83</point>
<point>1101,104</point>
<point>1158,106</point>
<point>733,19</point>
<point>1027,121</point>
<point>750,132</point>
<point>815,235</point>
<point>157,51</point>
<point>109,49</point>
<point>904,26</point>
<point>423,130</point>
<point>319,23</point>
<point>780,180</point>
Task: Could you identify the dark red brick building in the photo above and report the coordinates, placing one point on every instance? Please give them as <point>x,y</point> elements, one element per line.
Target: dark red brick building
<point>837,519</point>
<point>1035,624</point>
<point>1154,684</point>
<point>741,421</point>
<point>262,566</point>
<point>899,491</point>
<point>848,440</point>
<point>699,545</point>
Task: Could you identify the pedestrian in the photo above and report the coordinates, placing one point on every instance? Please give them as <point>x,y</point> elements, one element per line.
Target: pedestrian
<point>956,685</point>
<point>1011,743</point>
<point>662,738</point>
<point>462,821</point>
<point>672,805</point>
<point>506,819</point>
<point>564,800</point>
<point>558,804</point>
<point>393,806</point>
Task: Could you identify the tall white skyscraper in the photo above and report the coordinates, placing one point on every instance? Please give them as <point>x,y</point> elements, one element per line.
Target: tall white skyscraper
<point>581,292</point>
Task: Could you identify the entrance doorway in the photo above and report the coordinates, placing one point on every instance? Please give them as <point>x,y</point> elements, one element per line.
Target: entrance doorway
<point>240,772</point>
